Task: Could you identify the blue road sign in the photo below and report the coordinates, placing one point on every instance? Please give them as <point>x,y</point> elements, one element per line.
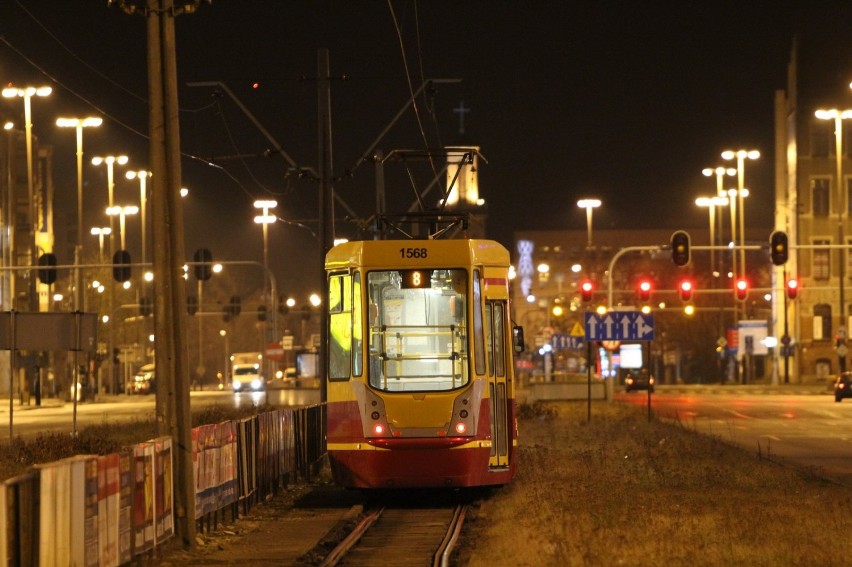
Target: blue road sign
<point>567,342</point>
<point>619,326</point>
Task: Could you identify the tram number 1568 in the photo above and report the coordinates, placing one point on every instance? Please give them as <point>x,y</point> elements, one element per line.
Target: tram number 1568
<point>413,252</point>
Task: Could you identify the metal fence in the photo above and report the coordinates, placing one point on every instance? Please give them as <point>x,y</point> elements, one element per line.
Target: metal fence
<point>106,510</point>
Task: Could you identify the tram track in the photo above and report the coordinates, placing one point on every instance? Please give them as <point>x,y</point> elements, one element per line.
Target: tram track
<point>401,535</point>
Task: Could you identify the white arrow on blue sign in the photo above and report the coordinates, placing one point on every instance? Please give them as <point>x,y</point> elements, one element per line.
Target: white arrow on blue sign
<point>619,326</point>
<point>567,342</point>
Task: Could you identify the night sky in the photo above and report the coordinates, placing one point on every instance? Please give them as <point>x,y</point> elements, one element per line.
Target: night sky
<point>622,101</point>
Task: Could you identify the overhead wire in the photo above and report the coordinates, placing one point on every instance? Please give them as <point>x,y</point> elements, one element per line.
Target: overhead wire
<point>411,92</point>
<point>130,92</point>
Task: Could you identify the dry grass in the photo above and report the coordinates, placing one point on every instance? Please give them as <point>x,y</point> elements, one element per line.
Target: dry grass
<point>622,491</point>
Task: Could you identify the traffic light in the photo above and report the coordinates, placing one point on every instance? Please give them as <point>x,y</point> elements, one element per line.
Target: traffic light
<point>792,288</point>
<point>204,258</point>
<point>680,248</point>
<point>47,268</point>
<point>261,312</point>
<point>741,288</point>
<point>586,289</point>
<point>778,250</point>
<point>645,287</point>
<point>121,266</point>
<point>685,288</point>
<point>192,305</point>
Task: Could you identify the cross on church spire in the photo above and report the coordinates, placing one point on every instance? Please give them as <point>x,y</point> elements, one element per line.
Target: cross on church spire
<point>461,110</point>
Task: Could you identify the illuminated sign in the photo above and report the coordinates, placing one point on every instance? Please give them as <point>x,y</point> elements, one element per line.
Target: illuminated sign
<point>415,279</point>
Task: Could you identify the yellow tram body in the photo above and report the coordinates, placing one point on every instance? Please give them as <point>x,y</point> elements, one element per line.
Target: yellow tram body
<point>420,370</point>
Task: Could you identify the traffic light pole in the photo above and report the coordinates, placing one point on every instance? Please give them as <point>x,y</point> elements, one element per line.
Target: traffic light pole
<point>629,249</point>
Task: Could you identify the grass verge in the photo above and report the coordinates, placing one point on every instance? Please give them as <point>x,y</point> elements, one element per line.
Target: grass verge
<point>623,491</point>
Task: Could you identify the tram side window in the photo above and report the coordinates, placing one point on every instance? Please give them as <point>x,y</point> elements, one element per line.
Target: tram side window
<point>478,332</point>
<point>357,328</point>
<point>499,336</point>
<point>340,326</point>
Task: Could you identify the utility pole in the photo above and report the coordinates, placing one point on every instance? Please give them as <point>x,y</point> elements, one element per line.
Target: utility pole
<point>171,355</point>
<point>326,213</point>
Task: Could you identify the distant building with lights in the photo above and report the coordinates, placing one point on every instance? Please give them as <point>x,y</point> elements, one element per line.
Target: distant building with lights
<point>813,208</point>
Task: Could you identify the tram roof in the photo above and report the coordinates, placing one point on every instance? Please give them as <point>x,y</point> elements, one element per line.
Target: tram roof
<point>390,253</point>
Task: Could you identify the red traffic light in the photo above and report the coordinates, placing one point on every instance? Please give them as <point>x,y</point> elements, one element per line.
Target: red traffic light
<point>645,287</point>
<point>741,287</point>
<point>586,289</point>
<point>792,288</point>
<point>685,287</point>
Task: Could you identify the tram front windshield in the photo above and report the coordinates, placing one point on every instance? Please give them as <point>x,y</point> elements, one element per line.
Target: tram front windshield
<point>418,330</point>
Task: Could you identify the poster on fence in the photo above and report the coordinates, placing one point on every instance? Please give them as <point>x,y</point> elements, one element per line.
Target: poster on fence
<point>108,509</point>
<point>143,497</point>
<point>90,536</point>
<point>125,506</point>
<point>205,448</point>
<point>227,463</point>
<point>164,489</point>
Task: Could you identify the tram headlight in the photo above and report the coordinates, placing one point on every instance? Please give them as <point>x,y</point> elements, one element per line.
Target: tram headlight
<point>378,429</point>
<point>461,428</point>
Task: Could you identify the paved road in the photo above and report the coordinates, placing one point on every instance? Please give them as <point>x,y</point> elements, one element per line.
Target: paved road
<point>58,415</point>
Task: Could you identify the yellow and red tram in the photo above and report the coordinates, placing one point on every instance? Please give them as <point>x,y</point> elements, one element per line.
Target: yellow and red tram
<point>420,373</point>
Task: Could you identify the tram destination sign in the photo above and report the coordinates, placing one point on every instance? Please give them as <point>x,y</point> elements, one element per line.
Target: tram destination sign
<point>619,326</point>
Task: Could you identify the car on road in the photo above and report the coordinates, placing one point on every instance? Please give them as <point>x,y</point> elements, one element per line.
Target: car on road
<point>843,386</point>
<point>641,380</point>
<point>144,381</point>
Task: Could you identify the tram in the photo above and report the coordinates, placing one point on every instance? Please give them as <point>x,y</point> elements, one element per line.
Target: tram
<point>420,372</point>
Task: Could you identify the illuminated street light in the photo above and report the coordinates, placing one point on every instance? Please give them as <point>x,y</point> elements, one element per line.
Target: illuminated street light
<point>122,213</point>
<point>265,219</point>
<point>142,176</point>
<point>109,162</point>
<point>589,205</point>
<point>27,93</point>
<point>741,156</point>
<point>100,232</point>
<point>839,116</point>
<point>720,172</point>
<point>711,203</point>
<point>79,124</point>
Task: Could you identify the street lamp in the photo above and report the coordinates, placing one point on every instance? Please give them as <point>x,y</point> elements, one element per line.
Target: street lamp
<point>720,172</point>
<point>839,116</point>
<point>711,203</point>
<point>741,156</point>
<point>100,232</point>
<point>142,176</point>
<point>79,124</point>
<point>225,374</point>
<point>110,162</point>
<point>265,219</point>
<point>122,213</point>
<point>589,205</point>
<point>27,93</point>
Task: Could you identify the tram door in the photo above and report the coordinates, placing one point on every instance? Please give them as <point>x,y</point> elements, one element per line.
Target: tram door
<point>495,341</point>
